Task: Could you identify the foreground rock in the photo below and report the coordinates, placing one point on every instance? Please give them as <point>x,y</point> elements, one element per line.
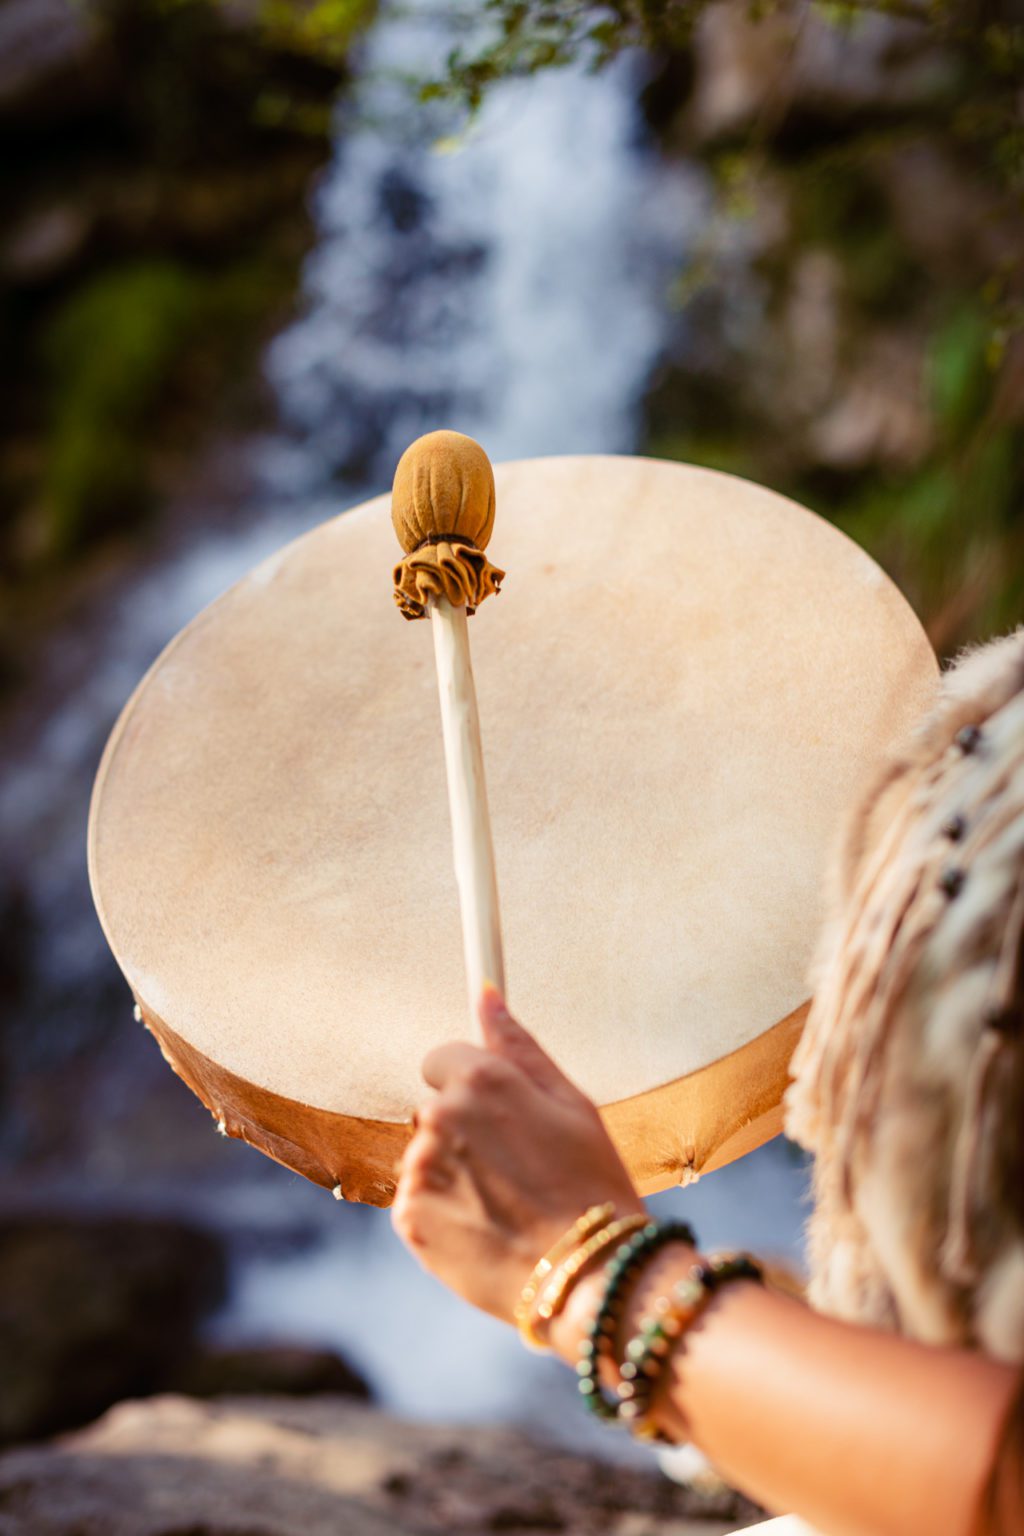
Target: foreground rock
<point>172,1466</point>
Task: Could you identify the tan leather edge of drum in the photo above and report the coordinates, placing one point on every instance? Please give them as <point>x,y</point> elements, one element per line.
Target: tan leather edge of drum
<point>694,1114</point>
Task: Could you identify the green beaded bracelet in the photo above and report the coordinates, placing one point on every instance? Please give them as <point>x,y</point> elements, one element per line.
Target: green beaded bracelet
<point>647,1353</point>
<point>599,1339</point>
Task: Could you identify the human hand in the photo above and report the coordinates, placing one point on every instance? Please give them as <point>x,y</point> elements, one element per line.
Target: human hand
<point>505,1157</point>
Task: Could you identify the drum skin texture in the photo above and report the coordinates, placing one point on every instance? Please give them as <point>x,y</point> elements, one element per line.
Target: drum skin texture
<point>683,683</point>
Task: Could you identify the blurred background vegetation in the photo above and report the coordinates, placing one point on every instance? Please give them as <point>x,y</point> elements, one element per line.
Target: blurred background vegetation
<point>157,155</point>
<point>849,330</point>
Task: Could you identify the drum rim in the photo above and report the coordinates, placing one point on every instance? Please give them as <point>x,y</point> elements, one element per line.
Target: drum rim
<point>706,1140</point>
<point>357,1158</point>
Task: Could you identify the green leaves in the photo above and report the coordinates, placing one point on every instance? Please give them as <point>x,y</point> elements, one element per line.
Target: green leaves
<point>524,37</point>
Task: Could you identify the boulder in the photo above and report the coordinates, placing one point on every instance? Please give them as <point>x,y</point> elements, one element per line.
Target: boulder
<point>273,1467</point>
<point>94,1310</point>
<point>290,1370</point>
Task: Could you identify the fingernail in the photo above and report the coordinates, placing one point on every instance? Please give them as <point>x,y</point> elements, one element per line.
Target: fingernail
<point>497,1012</point>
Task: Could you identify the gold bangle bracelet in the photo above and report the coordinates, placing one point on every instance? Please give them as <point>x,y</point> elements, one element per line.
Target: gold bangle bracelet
<point>556,1292</point>
<point>582,1228</point>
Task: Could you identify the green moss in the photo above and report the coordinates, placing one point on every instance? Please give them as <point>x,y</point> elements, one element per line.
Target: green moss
<point>326,28</point>
<point>733,454</point>
<point>125,346</point>
<point>959,374</point>
<point>110,352</point>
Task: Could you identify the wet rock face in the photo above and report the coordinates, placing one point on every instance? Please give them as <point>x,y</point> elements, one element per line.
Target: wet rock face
<point>44,47</point>
<point>93,1311</point>
<point>275,1468</point>
<point>798,73</point>
<point>841,336</point>
<point>152,222</point>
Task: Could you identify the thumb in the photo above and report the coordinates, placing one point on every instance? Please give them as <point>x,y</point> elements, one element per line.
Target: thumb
<point>506,1037</point>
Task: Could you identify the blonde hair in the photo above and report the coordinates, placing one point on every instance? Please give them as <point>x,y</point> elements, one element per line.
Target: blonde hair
<point>908,1084</point>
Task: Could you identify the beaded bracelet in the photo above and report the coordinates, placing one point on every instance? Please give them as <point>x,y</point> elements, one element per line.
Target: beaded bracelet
<point>599,1340</point>
<point>674,1314</point>
<point>582,1227</point>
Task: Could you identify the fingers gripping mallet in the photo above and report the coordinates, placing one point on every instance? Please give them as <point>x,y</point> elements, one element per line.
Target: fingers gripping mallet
<point>443,512</point>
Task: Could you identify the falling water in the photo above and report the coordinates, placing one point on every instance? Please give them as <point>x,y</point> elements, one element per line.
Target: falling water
<point>513,285</point>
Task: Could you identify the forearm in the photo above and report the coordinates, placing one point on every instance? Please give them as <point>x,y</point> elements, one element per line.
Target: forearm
<point>861,1433</point>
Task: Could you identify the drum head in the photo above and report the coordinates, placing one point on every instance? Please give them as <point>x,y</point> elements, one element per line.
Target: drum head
<point>682,685</point>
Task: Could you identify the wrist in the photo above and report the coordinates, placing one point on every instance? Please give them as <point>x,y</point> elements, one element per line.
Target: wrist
<point>582,1250</point>
<point>566,1331</point>
<point>624,1318</point>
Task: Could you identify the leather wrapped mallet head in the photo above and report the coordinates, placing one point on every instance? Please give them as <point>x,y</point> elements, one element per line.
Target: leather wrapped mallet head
<point>442,507</point>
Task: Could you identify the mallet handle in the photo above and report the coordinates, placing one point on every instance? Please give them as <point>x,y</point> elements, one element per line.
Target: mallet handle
<point>467,800</point>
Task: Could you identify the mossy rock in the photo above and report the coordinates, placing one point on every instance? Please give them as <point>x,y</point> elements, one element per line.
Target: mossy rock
<point>118,353</point>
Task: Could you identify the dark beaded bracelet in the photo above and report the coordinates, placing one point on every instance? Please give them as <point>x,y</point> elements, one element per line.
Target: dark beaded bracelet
<point>647,1353</point>
<point>621,1270</point>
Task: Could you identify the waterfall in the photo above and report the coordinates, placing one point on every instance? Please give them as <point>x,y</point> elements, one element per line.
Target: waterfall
<point>514,285</point>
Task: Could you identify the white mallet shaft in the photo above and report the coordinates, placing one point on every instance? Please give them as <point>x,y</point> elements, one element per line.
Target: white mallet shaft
<point>472,846</point>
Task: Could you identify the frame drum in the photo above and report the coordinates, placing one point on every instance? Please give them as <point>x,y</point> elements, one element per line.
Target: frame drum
<point>682,686</point>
